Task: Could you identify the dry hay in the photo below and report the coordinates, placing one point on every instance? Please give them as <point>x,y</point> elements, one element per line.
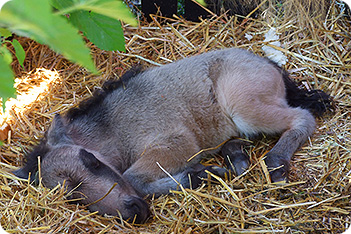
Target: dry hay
<point>317,199</point>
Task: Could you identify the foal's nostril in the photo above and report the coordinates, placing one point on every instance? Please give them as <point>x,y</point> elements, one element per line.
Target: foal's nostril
<point>138,209</point>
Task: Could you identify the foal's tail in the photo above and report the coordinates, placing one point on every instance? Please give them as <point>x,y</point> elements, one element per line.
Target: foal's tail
<point>315,100</point>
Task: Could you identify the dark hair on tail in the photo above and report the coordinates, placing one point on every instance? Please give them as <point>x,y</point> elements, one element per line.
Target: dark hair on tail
<point>316,101</point>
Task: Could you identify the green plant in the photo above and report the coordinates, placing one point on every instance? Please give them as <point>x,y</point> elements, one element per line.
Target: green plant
<point>6,76</point>
<point>57,23</point>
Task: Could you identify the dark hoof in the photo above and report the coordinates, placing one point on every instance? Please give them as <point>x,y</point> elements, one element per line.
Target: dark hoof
<point>234,158</point>
<point>278,175</point>
<point>278,167</point>
<point>197,176</point>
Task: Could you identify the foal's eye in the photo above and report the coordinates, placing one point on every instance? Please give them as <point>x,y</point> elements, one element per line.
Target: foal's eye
<point>74,184</point>
<point>61,175</point>
<point>68,178</point>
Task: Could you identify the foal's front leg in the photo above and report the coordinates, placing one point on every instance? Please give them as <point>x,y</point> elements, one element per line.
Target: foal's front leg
<point>165,167</point>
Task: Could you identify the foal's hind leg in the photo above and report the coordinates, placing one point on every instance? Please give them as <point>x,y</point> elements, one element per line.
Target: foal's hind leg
<point>301,126</point>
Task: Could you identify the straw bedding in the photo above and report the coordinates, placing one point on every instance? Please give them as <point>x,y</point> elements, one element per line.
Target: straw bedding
<point>317,199</point>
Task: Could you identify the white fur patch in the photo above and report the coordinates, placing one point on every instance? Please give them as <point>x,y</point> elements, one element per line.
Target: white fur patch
<point>243,126</point>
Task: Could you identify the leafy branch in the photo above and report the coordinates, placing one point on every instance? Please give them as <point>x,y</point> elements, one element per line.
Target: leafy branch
<point>57,23</point>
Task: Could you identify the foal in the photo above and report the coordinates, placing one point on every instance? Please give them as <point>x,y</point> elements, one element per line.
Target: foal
<point>120,141</point>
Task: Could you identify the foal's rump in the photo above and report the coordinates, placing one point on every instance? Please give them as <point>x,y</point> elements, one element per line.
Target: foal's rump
<point>259,97</point>
<point>251,91</point>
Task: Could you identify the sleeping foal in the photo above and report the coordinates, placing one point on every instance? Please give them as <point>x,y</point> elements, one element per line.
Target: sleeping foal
<point>120,141</point>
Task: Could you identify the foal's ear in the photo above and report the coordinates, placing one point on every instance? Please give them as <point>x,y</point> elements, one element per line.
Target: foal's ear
<point>54,136</point>
<point>89,159</point>
<point>57,134</point>
<point>24,172</point>
<point>31,164</point>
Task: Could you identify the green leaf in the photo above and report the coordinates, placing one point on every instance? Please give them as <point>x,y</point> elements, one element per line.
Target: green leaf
<point>65,4</point>
<point>4,32</point>
<point>61,4</point>
<point>202,2</point>
<point>7,56</point>
<point>34,18</point>
<point>115,9</point>
<point>104,32</point>
<point>6,77</point>
<point>20,53</point>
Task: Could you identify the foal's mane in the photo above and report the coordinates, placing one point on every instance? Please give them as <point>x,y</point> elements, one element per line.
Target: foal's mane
<point>100,94</point>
